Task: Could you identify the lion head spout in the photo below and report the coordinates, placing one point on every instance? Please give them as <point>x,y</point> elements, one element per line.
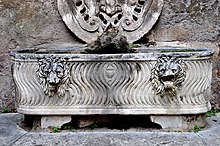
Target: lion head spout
<point>53,74</point>
<point>168,75</point>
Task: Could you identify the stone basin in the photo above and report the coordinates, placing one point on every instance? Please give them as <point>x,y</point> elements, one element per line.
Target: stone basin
<point>169,85</point>
<point>154,81</point>
<point>108,83</point>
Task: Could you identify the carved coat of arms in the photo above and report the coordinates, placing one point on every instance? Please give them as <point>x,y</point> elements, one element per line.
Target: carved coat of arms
<point>88,19</point>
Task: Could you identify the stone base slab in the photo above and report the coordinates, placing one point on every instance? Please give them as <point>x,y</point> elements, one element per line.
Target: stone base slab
<point>12,135</point>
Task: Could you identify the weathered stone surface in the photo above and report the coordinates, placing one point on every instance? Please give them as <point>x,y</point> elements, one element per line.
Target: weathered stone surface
<point>14,136</point>
<point>25,24</point>
<point>196,20</point>
<point>185,122</point>
<point>7,91</point>
<point>113,83</point>
<point>54,121</point>
<point>9,130</point>
<point>216,83</point>
<point>85,122</point>
<point>88,19</point>
<point>37,23</point>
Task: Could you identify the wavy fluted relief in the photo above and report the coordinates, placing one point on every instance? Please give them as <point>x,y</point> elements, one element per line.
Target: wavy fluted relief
<point>30,89</point>
<point>197,81</point>
<point>112,84</point>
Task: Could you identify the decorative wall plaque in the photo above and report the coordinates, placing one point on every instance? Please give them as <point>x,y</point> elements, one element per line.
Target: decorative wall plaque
<point>88,19</point>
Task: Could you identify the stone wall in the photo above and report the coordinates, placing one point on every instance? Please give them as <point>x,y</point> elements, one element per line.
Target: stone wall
<point>28,23</point>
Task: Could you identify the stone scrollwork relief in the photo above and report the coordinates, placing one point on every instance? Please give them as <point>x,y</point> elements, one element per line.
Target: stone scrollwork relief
<point>88,19</point>
<point>53,74</point>
<point>168,75</point>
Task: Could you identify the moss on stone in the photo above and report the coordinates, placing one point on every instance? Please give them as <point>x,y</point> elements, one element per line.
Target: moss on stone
<point>110,42</point>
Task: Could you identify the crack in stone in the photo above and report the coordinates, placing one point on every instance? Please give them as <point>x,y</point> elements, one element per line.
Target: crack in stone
<point>205,142</point>
<point>14,141</point>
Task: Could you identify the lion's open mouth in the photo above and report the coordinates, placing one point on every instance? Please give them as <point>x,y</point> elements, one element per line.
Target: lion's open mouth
<point>169,78</point>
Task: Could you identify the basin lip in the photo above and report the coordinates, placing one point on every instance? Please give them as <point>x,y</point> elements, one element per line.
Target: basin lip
<point>143,53</point>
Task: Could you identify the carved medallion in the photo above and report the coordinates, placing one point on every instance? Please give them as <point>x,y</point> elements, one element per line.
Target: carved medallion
<point>168,75</point>
<point>53,74</point>
<point>88,19</point>
<point>110,74</point>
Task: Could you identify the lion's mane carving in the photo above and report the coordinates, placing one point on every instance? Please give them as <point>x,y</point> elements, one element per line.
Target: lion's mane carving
<point>168,75</point>
<point>53,74</point>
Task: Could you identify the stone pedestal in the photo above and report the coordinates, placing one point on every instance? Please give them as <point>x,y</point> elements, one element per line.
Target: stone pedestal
<point>184,122</point>
<point>54,121</point>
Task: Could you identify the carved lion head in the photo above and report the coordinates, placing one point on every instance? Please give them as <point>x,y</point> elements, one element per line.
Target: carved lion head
<point>167,75</point>
<point>54,75</point>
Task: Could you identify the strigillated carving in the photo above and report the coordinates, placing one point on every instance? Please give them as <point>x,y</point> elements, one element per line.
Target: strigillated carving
<point>98,87</point>
<point>53,74</point>
<point>106,84</point>
<point>168,75</point>
<point>88,19</point>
